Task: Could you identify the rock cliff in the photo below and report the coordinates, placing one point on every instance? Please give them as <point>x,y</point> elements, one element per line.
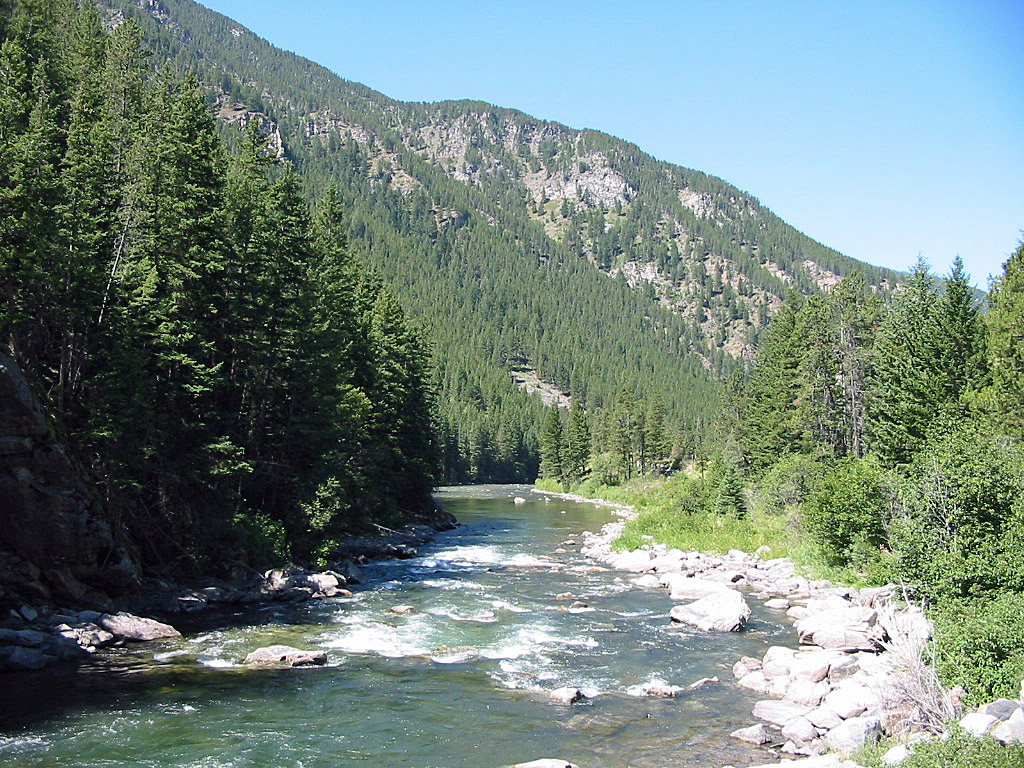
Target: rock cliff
<point>56,542</point>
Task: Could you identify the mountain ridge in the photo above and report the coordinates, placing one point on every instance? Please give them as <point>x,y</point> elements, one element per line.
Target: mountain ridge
<point>466,207</point>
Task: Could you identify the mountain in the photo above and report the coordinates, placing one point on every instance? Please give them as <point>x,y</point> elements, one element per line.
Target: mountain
<point>535,255</point>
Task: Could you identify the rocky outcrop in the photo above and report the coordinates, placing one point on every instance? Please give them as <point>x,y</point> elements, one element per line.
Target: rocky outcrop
<point>56,545</point>
<point>51,636</point>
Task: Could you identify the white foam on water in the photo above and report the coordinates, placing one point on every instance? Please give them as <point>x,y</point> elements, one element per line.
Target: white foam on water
<point>504,605</point>
<point>23,742</point>
<point>377,638</point>
<point>168,655</point>
<point>479,617</point>
<point>218,663</point>
<point>454,657</point>
<point>451,584</point>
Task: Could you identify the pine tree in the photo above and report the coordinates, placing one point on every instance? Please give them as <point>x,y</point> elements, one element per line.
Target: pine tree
<point>907,382</point>
<point>772,389</point>
<point>960,335</point>
<point>576,452</point>
<point>1005,352</point>
<point>551,465</point>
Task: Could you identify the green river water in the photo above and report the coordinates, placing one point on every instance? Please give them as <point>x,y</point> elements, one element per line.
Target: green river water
<point>459,683</point>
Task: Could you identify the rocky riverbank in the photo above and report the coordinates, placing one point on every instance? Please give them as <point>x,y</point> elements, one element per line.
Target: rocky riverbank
<point>36,634</point>
<point>854,674</point>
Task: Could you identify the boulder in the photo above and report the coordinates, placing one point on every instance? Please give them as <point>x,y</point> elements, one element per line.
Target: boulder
<point>799,730</point>
<point>851,699</point>
<point>897,755</point>
<point>1012,730</point>
<point>756,681</point>
<point>745,666</point>
<point>812,666</point>
<point>285,655</point>
<point>755,734</point>
<point>546,762</point>
<point>566,695</point>
<point>686,588</point>
<point>660,690</point>
<point>777,603</point>
<point>850,628</point>
<point>125,626</point>
<point>725,612</point>
<point>402,610</point>
<point>1000,709</point>
<point>20,657</point>
<point>854,734</point>
<point>805,692</point>
<point>779,712</point>
<point>978,723</point>
<point>823,717</point>
<point>777,661</point>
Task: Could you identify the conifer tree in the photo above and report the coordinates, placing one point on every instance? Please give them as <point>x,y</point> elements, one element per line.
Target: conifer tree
<point>1005,352</point>
<point>551,446</point>
<point>960,334</point>
<point>907,383</point>
<point>576,452</point>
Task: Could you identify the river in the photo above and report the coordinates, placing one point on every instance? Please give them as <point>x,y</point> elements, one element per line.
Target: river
<point>459,682</point>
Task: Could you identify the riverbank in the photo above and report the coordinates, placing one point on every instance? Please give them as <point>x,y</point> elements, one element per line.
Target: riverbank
<point>33,636</point>
<point>856,676</point>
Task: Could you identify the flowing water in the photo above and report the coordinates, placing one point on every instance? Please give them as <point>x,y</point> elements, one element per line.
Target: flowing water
<point>460,681</point>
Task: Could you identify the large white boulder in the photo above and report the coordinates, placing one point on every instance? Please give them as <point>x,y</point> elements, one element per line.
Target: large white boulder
<point>691,588</point>
<point>779,712</point>
<point>853,734</point>
<point>725,612</point>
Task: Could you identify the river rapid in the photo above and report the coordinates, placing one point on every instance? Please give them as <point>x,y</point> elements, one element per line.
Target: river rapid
<point>461,681</point>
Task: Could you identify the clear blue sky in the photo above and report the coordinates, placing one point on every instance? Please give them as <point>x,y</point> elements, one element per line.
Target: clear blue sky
<point>882,129</point>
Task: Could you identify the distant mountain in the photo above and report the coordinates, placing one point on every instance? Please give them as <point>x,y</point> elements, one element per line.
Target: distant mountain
<point>540,257</point>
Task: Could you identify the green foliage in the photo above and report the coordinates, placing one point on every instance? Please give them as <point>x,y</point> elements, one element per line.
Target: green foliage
<point>961,523</point>
<point>790,482</point>
<point>980,645</point>
<point>844,513</point>
<point>960,750</point>
<point>1005,352</point>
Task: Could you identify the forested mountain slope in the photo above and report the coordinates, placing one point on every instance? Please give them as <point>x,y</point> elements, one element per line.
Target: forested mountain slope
<point>519,243</point>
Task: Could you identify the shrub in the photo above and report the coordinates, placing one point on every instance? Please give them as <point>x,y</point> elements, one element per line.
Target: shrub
<point>960,528</point>
<point>980,645</point>
<point>789,482</point>
<point>844,513</point>
<point>965,751</point>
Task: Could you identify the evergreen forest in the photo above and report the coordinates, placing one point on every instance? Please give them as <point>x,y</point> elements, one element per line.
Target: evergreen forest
<point>240,386</point>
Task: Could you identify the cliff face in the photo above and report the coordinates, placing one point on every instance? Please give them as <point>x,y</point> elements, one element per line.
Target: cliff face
<point>56,544</point>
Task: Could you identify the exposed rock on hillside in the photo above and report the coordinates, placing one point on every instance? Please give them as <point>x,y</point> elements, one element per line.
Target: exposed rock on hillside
<point>56,543</point>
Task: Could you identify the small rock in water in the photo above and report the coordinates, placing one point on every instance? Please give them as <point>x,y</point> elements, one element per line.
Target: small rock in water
<point>703,682</point>
<point>659,689</point>
<point>577,605</point>
<point>519,500</point>
<point>546,762</point>
<point>564,596</point>
<point>285,655</point>
<point>755,734</point>
<point>567,695</point>
<point>125,626</point>
<point>402,610</point>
